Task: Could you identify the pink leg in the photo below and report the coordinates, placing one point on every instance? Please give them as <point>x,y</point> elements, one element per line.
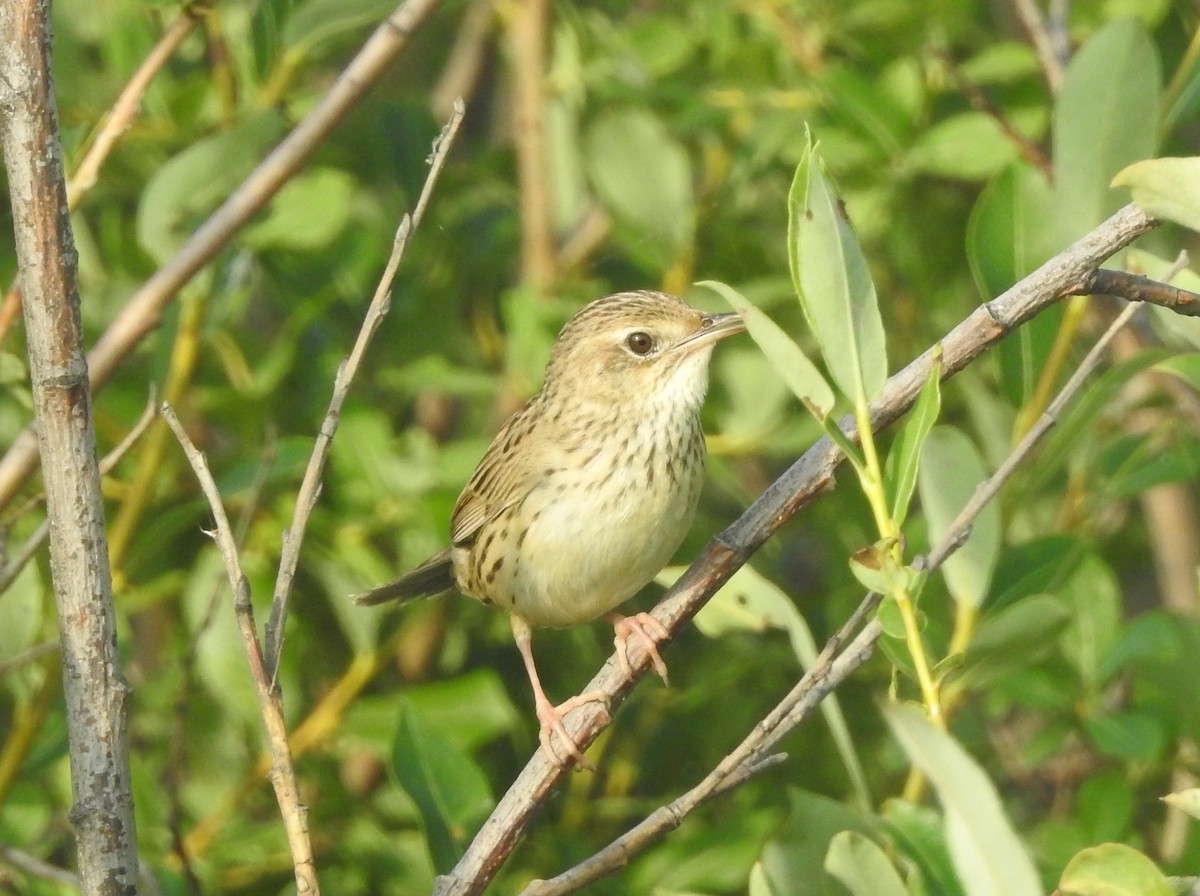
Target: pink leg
<point>648,630</point>
<point>551,716</point>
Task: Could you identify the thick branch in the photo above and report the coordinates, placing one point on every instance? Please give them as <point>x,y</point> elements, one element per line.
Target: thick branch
<point>92,684</point>
<point>809,476</point>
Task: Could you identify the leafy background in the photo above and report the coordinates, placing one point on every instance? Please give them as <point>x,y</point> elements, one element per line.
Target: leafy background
<point>672,133</point>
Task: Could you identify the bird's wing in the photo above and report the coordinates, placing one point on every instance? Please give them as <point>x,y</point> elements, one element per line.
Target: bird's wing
<point>497,482</point>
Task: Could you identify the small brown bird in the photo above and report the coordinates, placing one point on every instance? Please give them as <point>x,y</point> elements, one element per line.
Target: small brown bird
<point>587,492</point>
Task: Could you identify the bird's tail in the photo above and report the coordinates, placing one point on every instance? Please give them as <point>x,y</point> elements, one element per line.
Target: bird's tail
<point>433,577</point>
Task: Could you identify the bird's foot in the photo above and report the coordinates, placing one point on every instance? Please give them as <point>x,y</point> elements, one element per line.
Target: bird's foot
<point>551,718</point>
<point>648,630</point>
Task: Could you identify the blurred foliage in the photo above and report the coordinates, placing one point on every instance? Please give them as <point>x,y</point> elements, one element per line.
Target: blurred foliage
<point>672,135</point>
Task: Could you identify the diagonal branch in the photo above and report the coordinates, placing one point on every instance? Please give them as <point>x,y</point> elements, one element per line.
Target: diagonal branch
<point>283,772</point>
<point>833,664</point>
<point>812,473</point>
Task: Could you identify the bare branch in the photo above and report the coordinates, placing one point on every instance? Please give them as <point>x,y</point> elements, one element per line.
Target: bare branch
<point>293,537</point>
<point>806,478</point>
<point>1135,288</point>
<point>94,689</point>
<point>29,548</point>
<point>118,119</point>
<point>1049,43</point>
<point>282,774</point>
<point>35,867</point>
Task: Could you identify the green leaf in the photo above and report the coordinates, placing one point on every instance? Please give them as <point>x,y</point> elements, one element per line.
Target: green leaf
<point>315,21</point>
<point>1185,801</point>
<point>1020,635</point>
<point>919,831</point>
<point>1105,118</point>
<point>751,602</point>
<point>831,277</point>
<point>307,214</point>
<point>969,146</point>
<point>793,861</point>
<point>1094,599</point>
<point>1168,189</point>
<point>989,857</point>
<point>951,470</point>
<point>449,788</point>
<point>1112,869</point>
<point>1184,367</point>
<point>900,469</point>
<point>1131,736</point>
<point>786,357</point>
<point>1009,232</point>
<point>864,868</point>
<point>642,174</point>
<point>197,179</point>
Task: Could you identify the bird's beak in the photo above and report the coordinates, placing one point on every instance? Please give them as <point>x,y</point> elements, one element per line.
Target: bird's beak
<point>712,328</point>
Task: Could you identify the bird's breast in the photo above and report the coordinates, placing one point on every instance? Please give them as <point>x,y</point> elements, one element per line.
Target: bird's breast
<point>606,513</point>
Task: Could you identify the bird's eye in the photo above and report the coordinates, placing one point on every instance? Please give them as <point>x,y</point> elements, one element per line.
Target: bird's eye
<point>640,343</point>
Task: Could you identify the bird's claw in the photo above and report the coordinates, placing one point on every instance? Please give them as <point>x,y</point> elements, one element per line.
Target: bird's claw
<point>649,631</point>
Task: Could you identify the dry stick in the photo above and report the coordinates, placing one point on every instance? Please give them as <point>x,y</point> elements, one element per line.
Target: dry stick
<point>806,478</point>
<point>35,867</point>
<point>310,487</point>
<point>527,47</point>
<point>1050,53</point>
<point>282,774</point>
<point>831,667</point>
<point>10,570</point>
<point>95,692</point>
<point>141,314</point>
<point>118,119</point>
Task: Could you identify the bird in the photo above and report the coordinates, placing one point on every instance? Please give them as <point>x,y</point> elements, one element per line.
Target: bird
<point>586,492</point>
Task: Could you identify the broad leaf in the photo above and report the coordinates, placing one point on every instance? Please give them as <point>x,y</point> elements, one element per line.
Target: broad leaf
<point>989,857</point>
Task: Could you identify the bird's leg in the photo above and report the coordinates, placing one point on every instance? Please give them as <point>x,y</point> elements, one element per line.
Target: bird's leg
<point>646,629</point>
<point>551,716</point>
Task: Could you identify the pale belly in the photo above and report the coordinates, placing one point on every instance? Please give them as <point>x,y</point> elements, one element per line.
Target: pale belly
<point>586,552</point>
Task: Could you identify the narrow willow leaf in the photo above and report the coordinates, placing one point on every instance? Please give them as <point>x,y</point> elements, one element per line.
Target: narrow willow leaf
<point>862,867</point>
<point>900,470</point>
<point>1185,801</point>
<point>830,275</point>
<point>1165,188</point>
<point>1105,117</point>
<point>788,359</point>
<point>989,857</point>
<point>950,471</point>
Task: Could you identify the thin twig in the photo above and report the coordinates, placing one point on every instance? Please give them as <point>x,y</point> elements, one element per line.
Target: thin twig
<point>751,756</point>
<point>981,102</point>
<point>118,119</point>
<point>283,773</point>
<point>1050,49</point>
<point>35,867</point>
<point>29,548</point>
<point>178,742</point>
<point>310,487</point>
<point>1136,288</point>
<point>805,479</point>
